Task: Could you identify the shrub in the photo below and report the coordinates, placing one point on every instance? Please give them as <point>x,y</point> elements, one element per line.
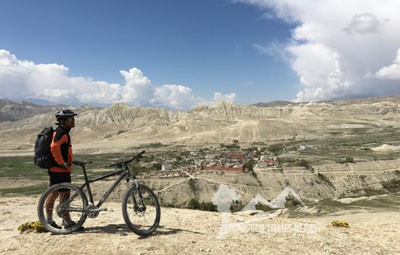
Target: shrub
<point>249,165</point>
<point>302,162</point>
<point>208,206</point>
<point>347,160</point>
<point>326,179</point>
<point>276,148</point>
<point>203,206</point>
<point>193,204</point>
<point>193,185</point>
<point>156,166</point>
<point>392,185</point>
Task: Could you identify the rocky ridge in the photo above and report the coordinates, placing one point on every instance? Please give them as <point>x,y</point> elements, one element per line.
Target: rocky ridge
<point>120,126</point>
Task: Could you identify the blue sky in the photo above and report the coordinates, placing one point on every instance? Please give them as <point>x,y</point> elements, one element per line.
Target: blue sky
<point>180,53</point>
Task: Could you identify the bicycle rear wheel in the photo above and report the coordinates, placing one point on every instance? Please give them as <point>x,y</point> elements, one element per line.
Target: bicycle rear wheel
<point>141,210</point>
<point>61,208</point>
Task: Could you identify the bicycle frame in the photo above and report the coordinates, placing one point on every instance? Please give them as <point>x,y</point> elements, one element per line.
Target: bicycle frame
<point>122,174</point>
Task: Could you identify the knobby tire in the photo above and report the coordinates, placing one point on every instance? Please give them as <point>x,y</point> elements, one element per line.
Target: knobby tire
<point>141,215</point>
<point>68,204</point>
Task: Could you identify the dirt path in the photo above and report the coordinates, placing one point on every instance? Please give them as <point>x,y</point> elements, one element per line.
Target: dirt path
<point>195,232</point>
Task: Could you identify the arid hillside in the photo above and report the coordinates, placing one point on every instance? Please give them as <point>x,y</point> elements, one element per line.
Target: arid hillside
<point>120,127</point>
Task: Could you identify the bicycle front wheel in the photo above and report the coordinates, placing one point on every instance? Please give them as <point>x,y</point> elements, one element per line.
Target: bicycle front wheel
<point>61,208</point>
<point>141,210</point>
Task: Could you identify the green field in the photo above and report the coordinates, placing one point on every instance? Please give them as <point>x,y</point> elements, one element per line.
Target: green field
<point>24,191</point>
<point>22,168</point>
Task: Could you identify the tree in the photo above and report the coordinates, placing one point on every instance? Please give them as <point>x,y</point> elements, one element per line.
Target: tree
<point>249,165</point>
<point>276,149</point>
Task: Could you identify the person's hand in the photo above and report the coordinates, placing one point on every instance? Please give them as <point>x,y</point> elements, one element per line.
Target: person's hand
<point>65,165</point>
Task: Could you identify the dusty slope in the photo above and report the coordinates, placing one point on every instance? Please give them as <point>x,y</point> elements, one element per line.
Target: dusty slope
<point>196,232</point>
<point>121,127</point>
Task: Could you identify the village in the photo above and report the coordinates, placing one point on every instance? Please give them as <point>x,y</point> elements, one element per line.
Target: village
<point>231,158</point>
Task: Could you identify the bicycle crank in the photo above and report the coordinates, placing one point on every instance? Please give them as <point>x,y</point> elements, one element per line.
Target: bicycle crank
<point>93,211</point>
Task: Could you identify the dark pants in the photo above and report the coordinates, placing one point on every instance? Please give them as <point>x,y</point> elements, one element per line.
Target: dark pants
<point>56,178</point>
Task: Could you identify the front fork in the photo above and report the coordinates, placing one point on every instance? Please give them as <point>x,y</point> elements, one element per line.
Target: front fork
<point>138,206</point>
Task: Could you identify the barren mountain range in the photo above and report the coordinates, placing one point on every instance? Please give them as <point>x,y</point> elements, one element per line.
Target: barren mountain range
<point>120,127</point>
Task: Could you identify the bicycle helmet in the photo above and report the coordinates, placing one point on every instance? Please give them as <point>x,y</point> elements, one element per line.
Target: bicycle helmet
<point>63,114</point>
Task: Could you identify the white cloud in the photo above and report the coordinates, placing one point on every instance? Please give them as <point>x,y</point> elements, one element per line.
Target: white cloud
<point>137,88</point>
<point>363,23</point>
<point>174,96</point>
<point>392,71</point>
<point>219,97</point>
<point>20,79</point>
<point>335,46</point>
<point>320,72</point>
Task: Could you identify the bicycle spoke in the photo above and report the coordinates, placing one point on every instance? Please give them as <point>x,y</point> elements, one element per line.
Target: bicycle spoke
<point>141,210</point>
<point>58,208</point>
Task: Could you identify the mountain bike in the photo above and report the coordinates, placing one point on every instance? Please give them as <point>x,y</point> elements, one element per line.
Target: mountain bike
<point>64,207</point>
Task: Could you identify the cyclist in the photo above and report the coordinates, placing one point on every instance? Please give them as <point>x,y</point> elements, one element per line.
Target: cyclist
<point>61,150</point>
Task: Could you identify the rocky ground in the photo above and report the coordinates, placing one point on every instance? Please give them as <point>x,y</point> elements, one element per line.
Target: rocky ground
<point>186,231</point>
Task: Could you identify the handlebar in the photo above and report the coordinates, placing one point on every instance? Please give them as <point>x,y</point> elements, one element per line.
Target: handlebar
<point>137,157</point>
